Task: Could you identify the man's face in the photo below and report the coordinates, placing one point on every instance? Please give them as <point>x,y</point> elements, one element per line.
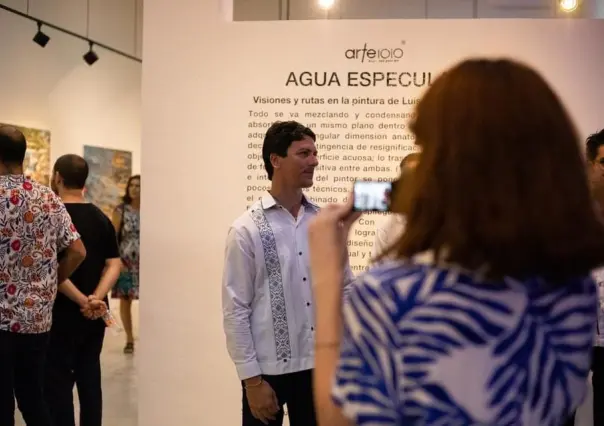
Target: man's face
<point>298,167</point>
<point>596,169</point>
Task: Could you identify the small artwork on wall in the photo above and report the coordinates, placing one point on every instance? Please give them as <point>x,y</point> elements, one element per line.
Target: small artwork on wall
<point>108,176</point>
<point>37,157</point>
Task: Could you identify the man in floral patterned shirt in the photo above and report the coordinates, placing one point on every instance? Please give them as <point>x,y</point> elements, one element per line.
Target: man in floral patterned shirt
<point>34,228</point>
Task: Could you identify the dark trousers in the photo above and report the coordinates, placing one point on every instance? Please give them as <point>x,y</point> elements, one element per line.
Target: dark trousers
<point>74,358</point>
<point>293,389</point>
<point>597,382</point>
<point>22,358</point>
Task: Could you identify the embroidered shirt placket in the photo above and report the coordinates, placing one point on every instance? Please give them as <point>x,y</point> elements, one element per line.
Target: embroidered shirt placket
<point>275,284</point>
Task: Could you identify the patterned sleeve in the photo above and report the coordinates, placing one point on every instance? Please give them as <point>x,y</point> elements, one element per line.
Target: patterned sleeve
<point>365,384</point>
<point>66,231</point>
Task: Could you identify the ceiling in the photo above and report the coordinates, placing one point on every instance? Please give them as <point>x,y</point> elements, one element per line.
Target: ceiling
<point>273,10</point>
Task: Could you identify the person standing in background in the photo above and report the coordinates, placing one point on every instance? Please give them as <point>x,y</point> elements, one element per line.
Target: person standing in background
<point>267,298</point>
<point>34,228</point>
<point>594,151</point>
<point>77,334</point>
<point>126,220</point>
<point>389,231</point>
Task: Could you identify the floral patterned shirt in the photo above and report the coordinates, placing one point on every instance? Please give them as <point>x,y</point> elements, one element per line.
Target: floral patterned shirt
<point>34,228</point>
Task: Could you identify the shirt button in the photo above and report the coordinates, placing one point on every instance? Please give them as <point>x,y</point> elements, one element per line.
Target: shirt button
<point>312,329</point>
<point>300,253</point>
<point>285,360</point>
<point>307,303</point>
<point>304,279</point>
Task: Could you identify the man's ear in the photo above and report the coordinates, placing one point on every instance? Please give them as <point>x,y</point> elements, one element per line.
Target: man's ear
<point>276,161</point>
<point>57,178</point>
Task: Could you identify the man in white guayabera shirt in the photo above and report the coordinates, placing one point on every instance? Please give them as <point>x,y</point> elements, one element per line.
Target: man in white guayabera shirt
<point>267,294</point>
<point>389,230</point>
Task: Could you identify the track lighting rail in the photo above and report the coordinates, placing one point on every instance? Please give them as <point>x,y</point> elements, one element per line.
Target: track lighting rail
<point>91,42</point>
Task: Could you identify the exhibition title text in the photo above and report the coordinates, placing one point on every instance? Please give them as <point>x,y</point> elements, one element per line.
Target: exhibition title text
<point>359,79</point>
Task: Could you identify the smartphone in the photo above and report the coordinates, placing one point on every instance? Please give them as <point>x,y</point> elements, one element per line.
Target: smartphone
<point>371,196</point>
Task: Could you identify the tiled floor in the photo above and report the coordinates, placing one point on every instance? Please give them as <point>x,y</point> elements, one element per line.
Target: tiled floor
<point>120,392</point>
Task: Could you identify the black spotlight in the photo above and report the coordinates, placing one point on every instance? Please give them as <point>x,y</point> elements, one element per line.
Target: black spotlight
<point>40,38</point>
<point>91,57</point>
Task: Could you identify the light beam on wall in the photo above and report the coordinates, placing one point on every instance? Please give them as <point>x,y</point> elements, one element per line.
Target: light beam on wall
<point>326,4</point>
<point>569,5</point>
<point>40,38</point>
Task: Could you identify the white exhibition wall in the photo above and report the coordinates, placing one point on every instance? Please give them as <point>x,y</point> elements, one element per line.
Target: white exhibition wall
<point>211,88</point>
<point>54,89</point>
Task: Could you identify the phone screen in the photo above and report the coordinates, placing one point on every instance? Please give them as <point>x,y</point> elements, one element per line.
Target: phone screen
<point>372,196</point>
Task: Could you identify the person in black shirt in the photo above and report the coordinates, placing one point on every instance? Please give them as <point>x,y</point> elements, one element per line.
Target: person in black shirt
<point>76,337</point>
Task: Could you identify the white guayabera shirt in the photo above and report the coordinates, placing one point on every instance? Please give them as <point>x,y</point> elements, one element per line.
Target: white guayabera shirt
<point>387,233</point>
<point>267,297</point>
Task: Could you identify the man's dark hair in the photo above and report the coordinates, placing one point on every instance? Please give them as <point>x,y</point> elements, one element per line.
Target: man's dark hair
<point>279,138</point>
<point>12,146</point>
<point>592,145</point>
<point>73,169</point>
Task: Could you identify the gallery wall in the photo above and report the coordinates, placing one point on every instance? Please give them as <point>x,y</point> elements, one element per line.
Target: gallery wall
<point>54,89</point>
<point>213,99</point>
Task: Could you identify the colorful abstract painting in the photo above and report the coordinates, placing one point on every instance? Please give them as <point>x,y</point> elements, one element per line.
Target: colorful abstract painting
<point>37,157</point>
<point>108,177</point>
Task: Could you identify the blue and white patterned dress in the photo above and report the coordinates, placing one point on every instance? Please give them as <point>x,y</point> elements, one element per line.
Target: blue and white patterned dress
<point>428,345</point>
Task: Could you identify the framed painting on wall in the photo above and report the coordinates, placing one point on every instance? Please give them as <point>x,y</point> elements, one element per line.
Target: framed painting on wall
<point>108,176</point>
<point>37,157</point>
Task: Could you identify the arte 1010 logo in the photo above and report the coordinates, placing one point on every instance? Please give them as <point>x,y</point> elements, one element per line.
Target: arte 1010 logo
<point>369,54</point>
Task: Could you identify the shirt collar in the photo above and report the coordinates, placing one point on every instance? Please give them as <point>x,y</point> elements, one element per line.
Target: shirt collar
<point>268,201</point>
<point>13,178</point>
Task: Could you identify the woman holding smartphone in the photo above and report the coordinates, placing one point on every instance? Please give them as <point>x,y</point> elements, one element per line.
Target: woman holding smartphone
<point>487,313</point>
